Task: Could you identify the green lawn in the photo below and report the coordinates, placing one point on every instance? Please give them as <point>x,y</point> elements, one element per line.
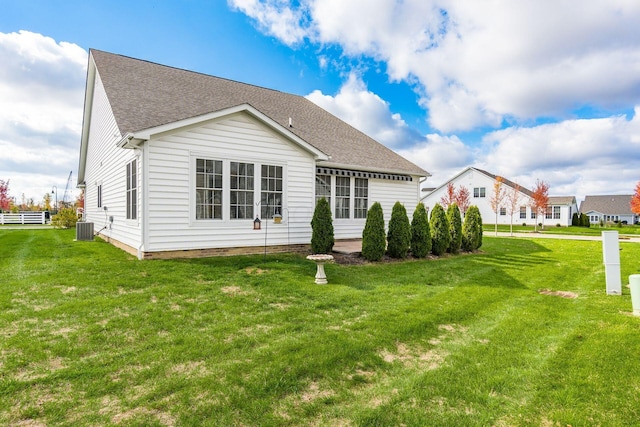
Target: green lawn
<point>594,230</point>
<point>91,336</point>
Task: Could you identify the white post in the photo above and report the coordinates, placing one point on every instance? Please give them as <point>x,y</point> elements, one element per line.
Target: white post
<point>634,286</point>
<point>611,256</point>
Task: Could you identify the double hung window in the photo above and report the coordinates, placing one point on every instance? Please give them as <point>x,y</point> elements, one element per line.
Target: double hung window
<point>132,190</point>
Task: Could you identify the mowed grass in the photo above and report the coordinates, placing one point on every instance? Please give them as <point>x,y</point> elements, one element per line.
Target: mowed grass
<point>91,336</point>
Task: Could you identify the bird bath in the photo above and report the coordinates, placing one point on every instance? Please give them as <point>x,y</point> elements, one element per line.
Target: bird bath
<point>321,260</point>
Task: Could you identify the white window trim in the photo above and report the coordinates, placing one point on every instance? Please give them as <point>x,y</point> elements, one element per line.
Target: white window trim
<point>129,221</point>
<point>226,221</point>
<point>352,198</point>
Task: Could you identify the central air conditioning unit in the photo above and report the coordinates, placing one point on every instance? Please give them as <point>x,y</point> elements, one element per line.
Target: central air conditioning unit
<point>84,231</point>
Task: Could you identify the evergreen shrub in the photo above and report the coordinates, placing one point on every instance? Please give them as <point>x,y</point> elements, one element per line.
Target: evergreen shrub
<point>440,235</point>
<point>472,230</point>
<point>399,234</point>
<point>455,228</point>
<point>322,239</point>
<point>374,241</point>
<point>420,232</point>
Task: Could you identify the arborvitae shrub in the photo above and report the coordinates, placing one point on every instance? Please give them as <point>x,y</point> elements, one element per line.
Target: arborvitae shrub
<point>472,230</point>
<point>399,234</point>
<point>455,228</point>
<point>584,220</point>
<point>575,219</point>
<point>65,218</point>
<point>440,235</point>
<point>420,232</point>
<point>322,239</point>
<point>374,242</point>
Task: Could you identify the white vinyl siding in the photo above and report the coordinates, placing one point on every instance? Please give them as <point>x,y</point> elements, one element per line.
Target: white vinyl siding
<point>105,175</point>
<point>236,138</point>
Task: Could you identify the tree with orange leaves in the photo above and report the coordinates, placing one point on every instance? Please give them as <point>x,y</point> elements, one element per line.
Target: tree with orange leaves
<point>497,198</point>
<point>635,200</point>
<point>540,201</point>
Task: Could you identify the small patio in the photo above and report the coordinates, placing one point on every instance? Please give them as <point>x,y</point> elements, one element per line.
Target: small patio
<point>352,246</point>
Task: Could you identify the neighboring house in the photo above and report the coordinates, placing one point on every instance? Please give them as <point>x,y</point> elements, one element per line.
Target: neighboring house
<point>480,185</point>
<point>616,208</point>
<point>560,210</point>
<point>178,163</point>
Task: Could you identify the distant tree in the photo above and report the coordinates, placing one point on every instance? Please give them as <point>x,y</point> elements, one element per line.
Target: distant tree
<point>635,200</point>
<point>322,239</point>
<point>472,230</point>
<point>540,201</point>
<point>455,228</point>
<point>449,197</point>
<point>80,200</point>
<point>575,220</point>
<point>399,234</point>
<point>46,201</point>
<point>513,203</point>
<point>374,242</point>
<point>440,235</point>
<point>463,199</point>
<point>420,232</point>
<point>497,198</point>
<point>5,200</point>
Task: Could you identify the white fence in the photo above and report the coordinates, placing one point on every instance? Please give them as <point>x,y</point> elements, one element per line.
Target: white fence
<point>23,218</point>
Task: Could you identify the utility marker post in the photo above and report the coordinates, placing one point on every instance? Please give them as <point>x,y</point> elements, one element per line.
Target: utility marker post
<point>611,256</point>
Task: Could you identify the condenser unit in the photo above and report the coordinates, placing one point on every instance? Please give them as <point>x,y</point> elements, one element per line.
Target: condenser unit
<point>84,231</point>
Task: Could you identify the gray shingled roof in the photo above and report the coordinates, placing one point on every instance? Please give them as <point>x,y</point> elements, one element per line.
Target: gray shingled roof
<point>608,205</point>
<point>143,95</point>
<point>561,200</point>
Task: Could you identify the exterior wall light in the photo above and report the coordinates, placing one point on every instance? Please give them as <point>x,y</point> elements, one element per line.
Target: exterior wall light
<point>256,223</point>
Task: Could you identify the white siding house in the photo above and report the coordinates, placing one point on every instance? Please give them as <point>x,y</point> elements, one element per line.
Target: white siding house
<point>480,185</point>
<point>176,163</point>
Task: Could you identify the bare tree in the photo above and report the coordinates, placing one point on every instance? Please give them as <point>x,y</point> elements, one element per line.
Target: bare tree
<point>513,200</point>
<point>497,198</point>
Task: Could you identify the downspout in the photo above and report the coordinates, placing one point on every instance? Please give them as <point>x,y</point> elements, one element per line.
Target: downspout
<point>422,180</point>
<point>144,221</point>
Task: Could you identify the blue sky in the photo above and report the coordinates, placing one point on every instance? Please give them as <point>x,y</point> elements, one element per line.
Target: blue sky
<point>533,90</point>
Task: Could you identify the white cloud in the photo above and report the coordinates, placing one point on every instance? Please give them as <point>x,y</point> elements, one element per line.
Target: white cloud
<point>442,156</point>
<point>275,18</point>
<point>41,101</point>
<point>576,157</point>
<point>480,62</point>
<point>366,111</point>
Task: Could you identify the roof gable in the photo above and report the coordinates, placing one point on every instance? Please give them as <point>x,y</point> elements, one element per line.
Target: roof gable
<point>144,95</point>
<point>492,177</point>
